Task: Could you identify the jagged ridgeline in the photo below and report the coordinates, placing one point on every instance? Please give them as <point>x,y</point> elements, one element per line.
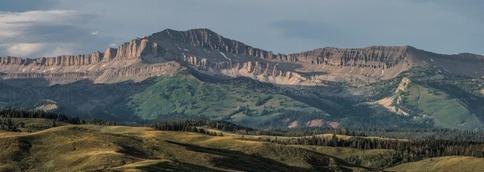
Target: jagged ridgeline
<point>200,74</point>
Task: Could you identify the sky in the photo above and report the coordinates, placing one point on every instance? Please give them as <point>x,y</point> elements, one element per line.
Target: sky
<point>36,28</point>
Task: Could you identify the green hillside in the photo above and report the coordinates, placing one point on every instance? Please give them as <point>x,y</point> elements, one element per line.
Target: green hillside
<point>180,96</point>
<point>445,110</point>
<point>448,100</point>
<point>252,103</point>
<point>188,96</point>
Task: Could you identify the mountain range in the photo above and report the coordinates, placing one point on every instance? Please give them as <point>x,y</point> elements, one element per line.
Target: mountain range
<point>201,74</point>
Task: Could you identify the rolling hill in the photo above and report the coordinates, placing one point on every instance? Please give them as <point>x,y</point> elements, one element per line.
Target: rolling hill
<point>451,163</point>
<point>43,141</point>
<point>121,148</point>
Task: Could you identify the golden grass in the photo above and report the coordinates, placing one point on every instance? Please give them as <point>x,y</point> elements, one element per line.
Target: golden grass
<point>443,164</point>
<point>123,148</point>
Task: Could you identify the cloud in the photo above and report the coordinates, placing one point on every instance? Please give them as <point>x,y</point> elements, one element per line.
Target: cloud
<point>94,33</point>
<point>444,26</point>
<point>45,33</point>
<point>39,49</point>
<point>25,5</point>
<point>23,49</point>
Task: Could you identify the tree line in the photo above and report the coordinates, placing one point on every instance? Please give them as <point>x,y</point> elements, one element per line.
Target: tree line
<point>7,116</point>
<point>16,113</point>
<point>405,150</point>
<point>200,126</point>
<point>408,133</point>
<point>7,124</point>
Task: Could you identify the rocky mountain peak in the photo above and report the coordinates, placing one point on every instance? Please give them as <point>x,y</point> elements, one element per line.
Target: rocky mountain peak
<point>202,34</point>
<point>204,39</point>
<point>168,51</point>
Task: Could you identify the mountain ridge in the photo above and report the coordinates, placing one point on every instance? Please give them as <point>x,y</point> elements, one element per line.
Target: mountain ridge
<point>169,51</point>
<point>199,73</point>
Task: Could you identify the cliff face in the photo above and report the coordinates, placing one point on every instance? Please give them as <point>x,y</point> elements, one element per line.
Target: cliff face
<point>113,65</point>
<point>209,52</point>
<point>167,52</point>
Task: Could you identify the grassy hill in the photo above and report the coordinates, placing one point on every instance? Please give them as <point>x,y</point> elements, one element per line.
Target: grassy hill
<point>40,145</point>
<point>442,164</point>
<point>369,158</point>
<point>448,101</point>
<point>119,148</point>
<point>445,110</point>
<point>188,96</point>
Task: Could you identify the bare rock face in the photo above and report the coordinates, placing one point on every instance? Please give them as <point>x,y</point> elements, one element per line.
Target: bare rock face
<point>169,51</point>
<point>365,65</point>
<point>114,65</point>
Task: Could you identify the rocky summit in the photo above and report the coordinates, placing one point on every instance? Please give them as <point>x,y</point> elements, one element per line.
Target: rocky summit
<point>322,87</point>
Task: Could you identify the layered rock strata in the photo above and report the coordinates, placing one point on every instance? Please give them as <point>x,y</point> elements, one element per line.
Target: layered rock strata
<point>169,51</point>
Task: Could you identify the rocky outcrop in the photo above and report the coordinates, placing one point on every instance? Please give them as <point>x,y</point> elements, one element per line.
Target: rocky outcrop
<point>393,102</point>
<point>113,65</point>
<point>209,40</point>
<point>266,72</point>
<point>138,72</point>
<point>372,57</point>
<point>229,57</point>
<point>169,51</point>
<point>352,65</point>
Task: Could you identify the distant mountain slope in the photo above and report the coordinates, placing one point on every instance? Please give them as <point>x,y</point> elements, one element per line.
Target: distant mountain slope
<point>188,96</point>
<point>242,101</point>
<point>444,107</point>
<point>179,96</point>
<point>201,74</point>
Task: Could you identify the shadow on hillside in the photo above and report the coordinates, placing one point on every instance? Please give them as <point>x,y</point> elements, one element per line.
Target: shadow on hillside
<point>177,166</point>
<point>341,164</point>
<point>240,161</point>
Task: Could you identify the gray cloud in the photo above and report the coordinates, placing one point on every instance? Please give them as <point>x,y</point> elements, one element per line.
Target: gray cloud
<point>25,5</point>
<point>443,26</point>
<point>47,33</point>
